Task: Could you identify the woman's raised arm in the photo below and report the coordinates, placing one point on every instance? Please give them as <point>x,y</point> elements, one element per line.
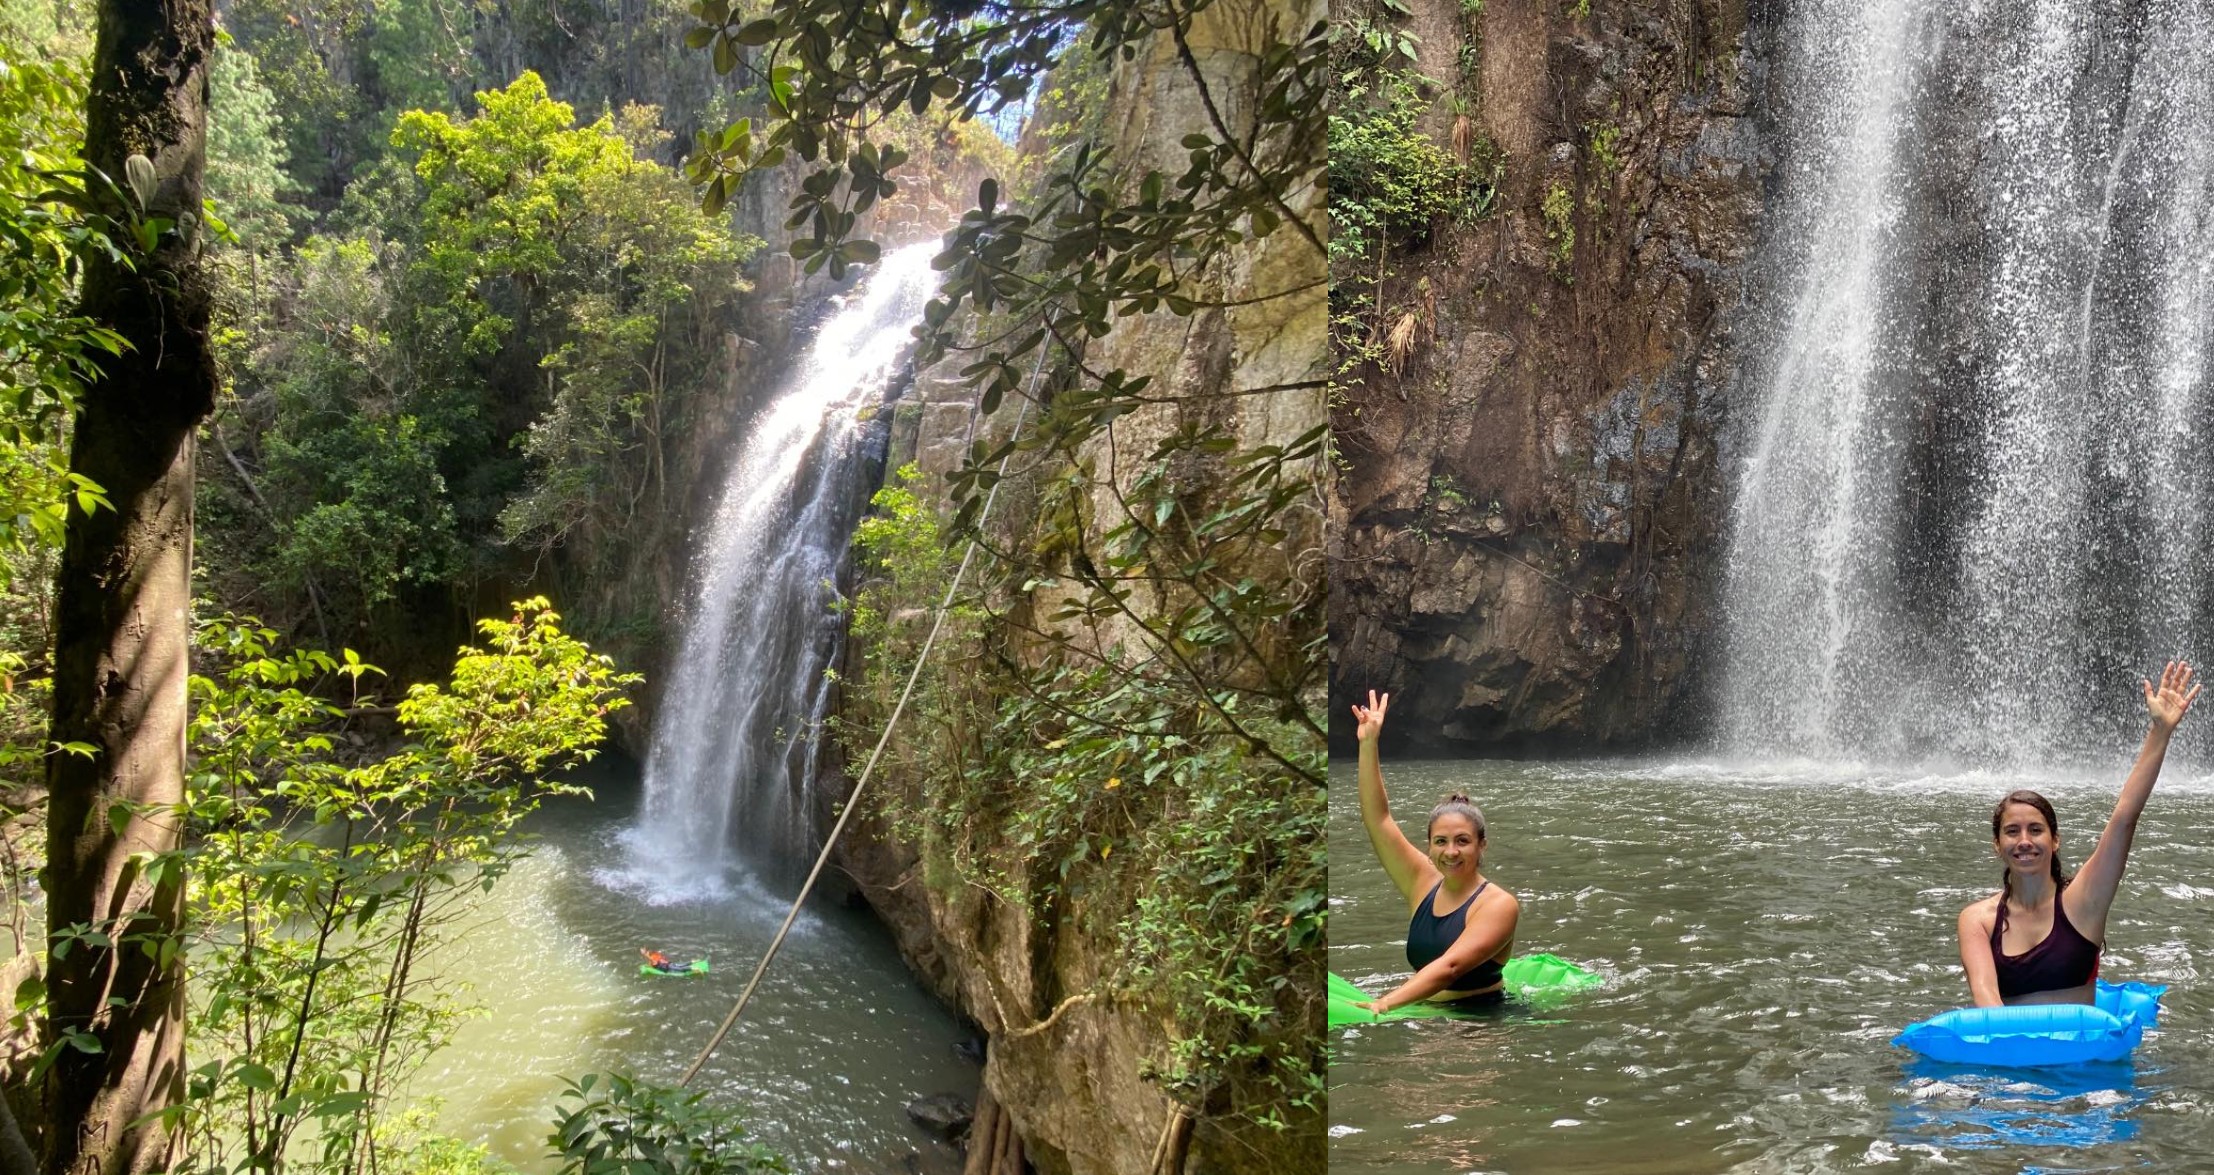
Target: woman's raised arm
<point>2094,885</point>
<point>1408,866</point>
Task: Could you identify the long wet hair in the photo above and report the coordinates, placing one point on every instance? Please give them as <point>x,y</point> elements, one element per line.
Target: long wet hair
<point>2044,808</point>
<point>1456,805</point>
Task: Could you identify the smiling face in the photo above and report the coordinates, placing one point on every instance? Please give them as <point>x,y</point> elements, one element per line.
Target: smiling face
<point>1456,844</point>
<point>2026,840</point>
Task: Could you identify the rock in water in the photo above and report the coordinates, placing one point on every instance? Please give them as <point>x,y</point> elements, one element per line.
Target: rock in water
<point>942,1114</point>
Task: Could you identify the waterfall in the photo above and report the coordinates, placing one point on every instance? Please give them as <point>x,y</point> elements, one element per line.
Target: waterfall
<point>735,739</point>
<point>1966,514</point>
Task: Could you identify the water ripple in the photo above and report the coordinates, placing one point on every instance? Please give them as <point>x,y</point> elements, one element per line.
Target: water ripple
<point>1761,946</point>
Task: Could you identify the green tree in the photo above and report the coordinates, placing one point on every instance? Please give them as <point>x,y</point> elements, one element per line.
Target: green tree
<point>123,591</point>
<point>422,52</point>
<point>47,353</point>
<point>548,248</point>
<point>376,515</point>
<point>308,53</point>
<point>246,151</point>
<point>598,451</point>
<point>503,359</point>
<point>48,348</point>
<point>322,885</point>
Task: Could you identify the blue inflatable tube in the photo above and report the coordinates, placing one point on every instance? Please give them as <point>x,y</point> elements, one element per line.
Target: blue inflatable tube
<point>2037,1035</point>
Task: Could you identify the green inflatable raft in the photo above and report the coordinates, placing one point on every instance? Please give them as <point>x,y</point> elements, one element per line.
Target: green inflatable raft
<point>1528,977</point>
<point>686,971</point>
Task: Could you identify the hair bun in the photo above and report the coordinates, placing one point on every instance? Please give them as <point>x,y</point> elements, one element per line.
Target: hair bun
<point>1459,798</point>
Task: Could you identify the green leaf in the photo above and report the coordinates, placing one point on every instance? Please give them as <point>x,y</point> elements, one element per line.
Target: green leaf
<point>138,170</point>
<point>344,1103</point>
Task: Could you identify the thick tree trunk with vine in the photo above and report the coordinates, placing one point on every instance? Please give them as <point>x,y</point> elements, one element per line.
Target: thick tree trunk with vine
<point>123,593</point>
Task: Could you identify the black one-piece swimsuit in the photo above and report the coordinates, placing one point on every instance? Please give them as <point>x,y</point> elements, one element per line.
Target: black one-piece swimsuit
<point>1429,936</point>
<point>2063,959</point>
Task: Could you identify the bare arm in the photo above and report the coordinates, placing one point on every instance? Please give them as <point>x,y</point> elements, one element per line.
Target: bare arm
<point>1408,866</point>
<point>1975,957</point>
<point>2092,892</point>
<point>1488,929</point>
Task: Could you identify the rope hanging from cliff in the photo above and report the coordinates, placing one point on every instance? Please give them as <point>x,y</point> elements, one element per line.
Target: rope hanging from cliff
<point>853,801</point>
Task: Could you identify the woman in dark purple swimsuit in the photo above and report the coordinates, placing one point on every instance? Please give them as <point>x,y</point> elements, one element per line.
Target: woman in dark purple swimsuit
<point>1461,929</point>
<point>2037,940</point>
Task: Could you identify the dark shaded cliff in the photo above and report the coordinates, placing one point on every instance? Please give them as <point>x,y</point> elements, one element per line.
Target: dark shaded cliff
<point>1527,509</point>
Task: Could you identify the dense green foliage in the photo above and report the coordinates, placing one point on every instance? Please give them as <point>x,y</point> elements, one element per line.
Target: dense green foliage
<point>493,363</point>
<point>247,176</point>
<point>1391,182</point>
<point>348,68</point>
<point>621,1126</point>
<point>1029,779</point>
<point>321,885</point>
<point>46,347</point>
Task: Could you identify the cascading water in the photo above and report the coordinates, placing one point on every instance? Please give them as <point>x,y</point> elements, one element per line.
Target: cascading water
<point>1972,502</point>
<point>734,743</point>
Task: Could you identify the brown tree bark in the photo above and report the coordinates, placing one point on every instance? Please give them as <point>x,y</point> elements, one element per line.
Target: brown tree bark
<point>124,590</point>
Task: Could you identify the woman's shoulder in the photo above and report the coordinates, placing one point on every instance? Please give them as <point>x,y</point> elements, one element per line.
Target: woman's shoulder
<point>1497,895</point>
<point>1982,911</point>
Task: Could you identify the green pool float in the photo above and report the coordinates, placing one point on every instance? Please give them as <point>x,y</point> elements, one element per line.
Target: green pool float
<point>1528,977</point>
<point>685,971</point>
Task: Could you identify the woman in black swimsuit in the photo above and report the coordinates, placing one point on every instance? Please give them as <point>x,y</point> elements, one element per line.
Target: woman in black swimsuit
<point>2037,940</point>
<point>1462,927</point>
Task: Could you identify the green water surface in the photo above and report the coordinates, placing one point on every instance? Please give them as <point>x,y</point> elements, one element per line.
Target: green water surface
<point>835,1043</point>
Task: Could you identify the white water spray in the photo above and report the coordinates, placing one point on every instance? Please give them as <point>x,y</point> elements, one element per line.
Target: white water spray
<point>735,740</point>
<point>1972,499</point>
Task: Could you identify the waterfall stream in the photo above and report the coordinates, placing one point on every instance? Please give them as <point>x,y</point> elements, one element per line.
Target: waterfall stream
<point>1971,499</point>
<point>735,739</point>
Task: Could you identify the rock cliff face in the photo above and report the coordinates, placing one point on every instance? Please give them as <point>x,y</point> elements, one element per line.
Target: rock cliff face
<point>1073,1073</point>
<point>1527,514</point>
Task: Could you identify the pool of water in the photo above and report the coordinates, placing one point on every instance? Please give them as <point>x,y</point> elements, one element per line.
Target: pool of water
<point>1764,932</point>
<point>837,1040</point>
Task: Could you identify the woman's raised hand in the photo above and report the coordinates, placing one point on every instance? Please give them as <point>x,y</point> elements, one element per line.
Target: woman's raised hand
<point>1370,718</point>
<point>2173,699</point>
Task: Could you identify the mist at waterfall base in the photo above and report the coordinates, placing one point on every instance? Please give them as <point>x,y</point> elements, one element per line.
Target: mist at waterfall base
<point>1971,493</point>
<point>1764,932</point>
<point>739,727</point>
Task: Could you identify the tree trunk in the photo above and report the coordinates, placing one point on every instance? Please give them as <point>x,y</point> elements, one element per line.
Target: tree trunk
<point>123,596</point>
